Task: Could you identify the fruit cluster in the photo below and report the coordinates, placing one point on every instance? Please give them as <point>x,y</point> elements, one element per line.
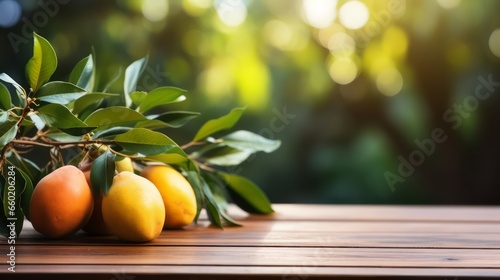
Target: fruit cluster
<point>136,208</point>
<point>102,127</point>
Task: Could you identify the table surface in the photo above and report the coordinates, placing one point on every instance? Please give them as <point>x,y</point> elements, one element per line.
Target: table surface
<point>297,242</point>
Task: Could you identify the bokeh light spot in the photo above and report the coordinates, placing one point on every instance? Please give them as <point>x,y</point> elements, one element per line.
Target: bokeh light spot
<point>343,70</point>
<point>278,33</point>
<point>389,82</point>
<point>354,14</point>
<point>448,4</point>
<point>285,36</point>
<point>155,10</point>
<point>205,4</point>
<point>196,7</point>
<point>10,13</point>
<point>495,42</point>
<point>395,42</point>
<point>231,12</point>
<point>319,13</point>
<point>341,44</point>
<point>325,34</point>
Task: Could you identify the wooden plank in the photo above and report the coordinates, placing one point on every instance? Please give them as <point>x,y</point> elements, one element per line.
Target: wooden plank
<point>299,240</point>
<point>310,212</point>
<point>261,256</point>
<point>324,234</point>
<point>121,272</point>
<point>326,226</point>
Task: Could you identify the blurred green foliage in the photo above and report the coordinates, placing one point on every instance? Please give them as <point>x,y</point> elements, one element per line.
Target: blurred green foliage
<point>348,88</point>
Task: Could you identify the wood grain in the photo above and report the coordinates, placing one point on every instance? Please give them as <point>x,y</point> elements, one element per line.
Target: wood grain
<point>297,242</point>
<point>261,256</point>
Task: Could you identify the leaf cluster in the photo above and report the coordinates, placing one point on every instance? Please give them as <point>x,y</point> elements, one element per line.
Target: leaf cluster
<point>76,123</point>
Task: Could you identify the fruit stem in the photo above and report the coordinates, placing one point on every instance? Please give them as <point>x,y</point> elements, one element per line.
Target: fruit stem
<point>205,167</point>
<point>49,144</point>
<point>193,143</point>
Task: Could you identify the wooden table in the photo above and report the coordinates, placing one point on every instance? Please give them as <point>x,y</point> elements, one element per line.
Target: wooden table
<point>298,242</point>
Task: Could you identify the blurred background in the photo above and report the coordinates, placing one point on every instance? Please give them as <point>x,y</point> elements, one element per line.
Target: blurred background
<point>386,101</point>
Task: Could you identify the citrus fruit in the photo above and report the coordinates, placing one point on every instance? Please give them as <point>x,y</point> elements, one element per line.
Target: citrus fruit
<point>124,165</point>
<point>96,224</point>
<point>61,202</point>
<point>176,192</point>
<point>133,209</point>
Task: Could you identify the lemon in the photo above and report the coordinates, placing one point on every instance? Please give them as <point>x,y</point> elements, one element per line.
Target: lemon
<point>176,192</point>
<point>124,165</point>
<point>133,209</point>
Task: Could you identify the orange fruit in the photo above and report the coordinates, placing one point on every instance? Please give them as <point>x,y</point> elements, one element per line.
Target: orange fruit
<point>96,224</point>
<point>177,194</point>
<point>61,202</point>
<point>133,209</point>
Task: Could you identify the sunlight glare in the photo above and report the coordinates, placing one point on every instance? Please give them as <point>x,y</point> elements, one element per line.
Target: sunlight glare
<point>155,10</point>
<point>354,14</point>
<point>448,4</point>
<point>341,44</point>
<point>343,71</point>
<point>231,13</point>
<point>389,82</point>
<point>319,13</point>
<point>10,13</point>
<point>494,42</point>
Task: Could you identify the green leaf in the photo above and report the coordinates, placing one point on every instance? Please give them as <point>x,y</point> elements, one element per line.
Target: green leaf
<point>43,63</point>
<point>145,141</point>
<point>37,121</point>
<point>217,186</point>
<point>168,158</point>
<point>83,75</point>
<point>4,116</point>
<point>19,89</point>
<point>213,210</point>
<point>25,198</point>
<point>102,173</point>
<point>114,79</point>
<point>30,168</point>
<point>58,116</point>
<point>194,180</point>
<point>132,74</point>
<point>63,137</point>
<point>5,100</point>
<point>90,98</point>
<point>12,193</point>
<point>59,92</point>
<point>111,132</point>
<point>4,230</point>
<point>221,155</point>
<point>3,183</point>
<point>251,142</point>
<point>151,124</point>
<point>222,123</point>
<point>175,119</point>
<point>246,194</point>
<point>138,97</point>
<point>161,96</point>
<point>8,131</point>
<point>228,220</point>
<point>114,116</point>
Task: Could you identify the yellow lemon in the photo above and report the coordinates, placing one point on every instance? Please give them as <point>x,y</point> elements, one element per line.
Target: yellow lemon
<point>124,165</point>
<point>133,210</point>
<point>178,195</point>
